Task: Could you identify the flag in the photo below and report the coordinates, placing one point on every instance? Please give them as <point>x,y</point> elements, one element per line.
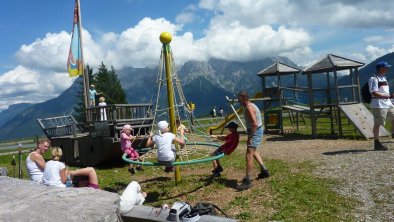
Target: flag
<point>75,58</point>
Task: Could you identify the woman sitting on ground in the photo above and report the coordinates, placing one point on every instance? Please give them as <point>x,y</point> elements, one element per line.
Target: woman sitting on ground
<point>166,152</point>
<point>56,173</point>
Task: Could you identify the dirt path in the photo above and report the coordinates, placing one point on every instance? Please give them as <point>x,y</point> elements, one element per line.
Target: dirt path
<point>363,174</point>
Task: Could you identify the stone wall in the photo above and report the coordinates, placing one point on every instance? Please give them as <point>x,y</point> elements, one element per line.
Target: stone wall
<point>22,200</point>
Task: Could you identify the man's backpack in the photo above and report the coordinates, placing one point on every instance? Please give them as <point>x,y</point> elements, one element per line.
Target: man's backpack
<point>203,208</point>
<point>365,93</point>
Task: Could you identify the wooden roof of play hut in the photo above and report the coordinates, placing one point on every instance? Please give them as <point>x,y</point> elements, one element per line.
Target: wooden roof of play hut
<point>278,68</point>
<point>332,62</point>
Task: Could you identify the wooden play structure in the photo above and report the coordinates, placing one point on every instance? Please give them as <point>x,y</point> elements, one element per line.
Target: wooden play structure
<point>332,100</point>
<point>272,108</point>
<point>97,141</point>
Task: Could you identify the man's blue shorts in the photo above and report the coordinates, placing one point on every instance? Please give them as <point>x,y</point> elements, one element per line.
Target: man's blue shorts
<point>256,138</point>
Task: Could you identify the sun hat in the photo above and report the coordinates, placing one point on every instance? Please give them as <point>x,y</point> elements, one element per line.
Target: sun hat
<point>232,124</point>
<point>382,64</point>
<point>126,127</point>
<point>162,125</point>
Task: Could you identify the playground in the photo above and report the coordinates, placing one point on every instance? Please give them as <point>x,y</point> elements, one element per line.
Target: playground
<point>321,166</point>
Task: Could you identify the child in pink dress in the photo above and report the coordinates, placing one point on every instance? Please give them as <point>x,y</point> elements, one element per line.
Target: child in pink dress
<point>125,141</point>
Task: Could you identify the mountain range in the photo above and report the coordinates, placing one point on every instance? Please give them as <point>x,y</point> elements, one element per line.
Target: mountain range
<point>204,83</point>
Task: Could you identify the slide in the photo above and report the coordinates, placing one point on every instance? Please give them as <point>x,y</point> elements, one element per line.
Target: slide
<point>231,116</point>
<point>224,122</point>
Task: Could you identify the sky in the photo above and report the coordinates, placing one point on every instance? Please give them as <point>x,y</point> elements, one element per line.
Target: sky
<point>36,35</point>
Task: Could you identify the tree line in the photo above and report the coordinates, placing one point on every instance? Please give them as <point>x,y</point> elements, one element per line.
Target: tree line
<point>107,83</point>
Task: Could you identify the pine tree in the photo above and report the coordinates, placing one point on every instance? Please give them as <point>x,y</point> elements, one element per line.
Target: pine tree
<point>108,84</point>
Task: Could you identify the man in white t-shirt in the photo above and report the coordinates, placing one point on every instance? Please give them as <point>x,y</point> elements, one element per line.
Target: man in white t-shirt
<point>381,105</point>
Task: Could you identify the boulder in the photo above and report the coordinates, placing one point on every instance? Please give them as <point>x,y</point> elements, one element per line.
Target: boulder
<point>22,200</point>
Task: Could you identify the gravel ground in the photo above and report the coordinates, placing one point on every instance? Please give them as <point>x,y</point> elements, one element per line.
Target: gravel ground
<point>363,174</point>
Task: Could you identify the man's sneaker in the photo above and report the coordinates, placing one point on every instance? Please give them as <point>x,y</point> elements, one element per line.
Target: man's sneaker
<point>263,174</point>
<point>217,170</point>
<point>216,174</point>
<point>380,146</point>
<point>246,184</point>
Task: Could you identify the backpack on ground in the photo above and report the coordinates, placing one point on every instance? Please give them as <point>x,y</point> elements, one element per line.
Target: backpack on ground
<point>203,208</point>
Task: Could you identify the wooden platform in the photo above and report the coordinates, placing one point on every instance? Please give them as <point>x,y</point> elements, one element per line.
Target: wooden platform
<point>301,109</point>
<point>148,214</point>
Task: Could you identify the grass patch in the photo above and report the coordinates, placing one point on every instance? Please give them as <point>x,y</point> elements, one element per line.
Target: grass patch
<point>303,197</point>
<point>292,193</point>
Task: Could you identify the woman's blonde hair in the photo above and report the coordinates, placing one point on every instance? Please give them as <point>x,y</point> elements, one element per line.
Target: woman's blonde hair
<point>57,153</point>
<point>101,99</point>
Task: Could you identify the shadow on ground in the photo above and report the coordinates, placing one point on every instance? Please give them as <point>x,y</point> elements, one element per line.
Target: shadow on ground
<point>344,152</point>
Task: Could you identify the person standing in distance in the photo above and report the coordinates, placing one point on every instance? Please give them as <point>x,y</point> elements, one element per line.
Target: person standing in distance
<point>254,127</point>
<point>92,95</point>
<point>381,105</point>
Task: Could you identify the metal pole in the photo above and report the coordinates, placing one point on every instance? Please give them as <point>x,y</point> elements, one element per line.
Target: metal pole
<point>166,38</point>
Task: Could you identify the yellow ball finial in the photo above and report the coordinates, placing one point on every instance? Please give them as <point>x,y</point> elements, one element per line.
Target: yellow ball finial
<point>165,38</point>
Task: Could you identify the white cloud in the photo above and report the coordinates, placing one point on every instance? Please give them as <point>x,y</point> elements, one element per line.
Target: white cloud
<point>360,13</point>
<point>31,86</point>
<point>185,17</point>
<point>239,43</point>
<point>374,52</point>
<point>208,4</point>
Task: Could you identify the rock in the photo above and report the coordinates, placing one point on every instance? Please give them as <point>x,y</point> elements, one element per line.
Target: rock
<point>22,200</point>
<point>3,171</point>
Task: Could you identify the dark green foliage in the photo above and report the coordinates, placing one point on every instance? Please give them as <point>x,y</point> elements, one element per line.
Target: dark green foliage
<point>108,84</point>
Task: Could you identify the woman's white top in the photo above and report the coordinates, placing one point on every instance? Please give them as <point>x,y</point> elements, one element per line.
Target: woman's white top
<point>34,172</point>
<point>52,174</point>
<point>165,151</point>
<point>103,113</point>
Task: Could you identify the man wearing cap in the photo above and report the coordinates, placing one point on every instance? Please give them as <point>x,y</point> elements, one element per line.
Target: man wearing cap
<point>254,127</point>
<point>381,105</point>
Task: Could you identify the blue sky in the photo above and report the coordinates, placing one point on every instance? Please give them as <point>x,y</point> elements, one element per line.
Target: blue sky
<point>35,35</point>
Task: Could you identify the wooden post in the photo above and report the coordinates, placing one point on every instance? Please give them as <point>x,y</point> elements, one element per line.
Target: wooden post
<point>337,104</point>
<point>352,83</point>
<point>264,102</point>
<point>358,84</point>
<point>279,94</point>
<point>329,101</point>
<point>20,160</point>
<point>295,86</point>
<point>312,105</point>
